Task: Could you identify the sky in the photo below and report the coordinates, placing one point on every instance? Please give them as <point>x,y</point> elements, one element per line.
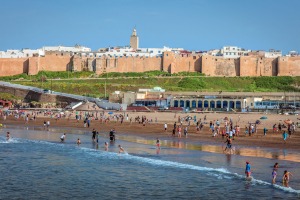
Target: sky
<point>188,24</point>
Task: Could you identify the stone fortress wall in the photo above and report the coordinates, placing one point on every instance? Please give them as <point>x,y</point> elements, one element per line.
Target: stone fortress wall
<point>170,62</point>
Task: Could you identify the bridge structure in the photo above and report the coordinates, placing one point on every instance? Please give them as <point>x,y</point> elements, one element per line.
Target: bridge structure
<point>29,93</point>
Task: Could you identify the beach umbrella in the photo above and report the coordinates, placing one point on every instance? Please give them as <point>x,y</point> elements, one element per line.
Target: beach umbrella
<point>110,113</point>
<point>263,117</point>
<point>288,121</point>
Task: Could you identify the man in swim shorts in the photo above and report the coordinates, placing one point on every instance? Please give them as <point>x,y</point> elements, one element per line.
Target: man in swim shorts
<point>229,143</point>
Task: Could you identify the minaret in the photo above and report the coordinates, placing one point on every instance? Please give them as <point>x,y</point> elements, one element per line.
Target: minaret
<point>134,40</point>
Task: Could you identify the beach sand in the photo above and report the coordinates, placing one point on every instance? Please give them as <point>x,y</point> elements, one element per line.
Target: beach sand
<point>156,129</point>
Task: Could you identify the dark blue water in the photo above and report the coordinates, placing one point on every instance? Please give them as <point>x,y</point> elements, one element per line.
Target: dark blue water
<point>35,165</point>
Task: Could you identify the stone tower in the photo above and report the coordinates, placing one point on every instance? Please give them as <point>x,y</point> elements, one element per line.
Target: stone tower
<point>134,40</point>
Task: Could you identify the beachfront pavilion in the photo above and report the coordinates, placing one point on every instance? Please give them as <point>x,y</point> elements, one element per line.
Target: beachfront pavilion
<point>210,102</point>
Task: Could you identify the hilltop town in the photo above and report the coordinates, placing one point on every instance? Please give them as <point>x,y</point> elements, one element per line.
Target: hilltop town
<point>228,61</point>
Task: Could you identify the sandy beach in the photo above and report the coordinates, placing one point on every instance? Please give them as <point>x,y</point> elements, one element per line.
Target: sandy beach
<point>155,128</point>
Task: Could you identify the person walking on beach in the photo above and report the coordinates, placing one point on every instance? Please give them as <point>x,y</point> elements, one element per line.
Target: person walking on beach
<point>229,144</point>
<point>165,126</point>
<point>112,135</point>
<point>48,124</point>
<point>63,137</point>
<point>97,137</point>
<point>94,135</point>
<point>248,169</point>
<point>45,124</point>
<point>185,131</point>
<point>286,178</point>
<point>157,143</point>
<point>274,128</point>
<point>265,131</point>
<point>179,131</point>
<point>173,132</point>
<point>285,136</point>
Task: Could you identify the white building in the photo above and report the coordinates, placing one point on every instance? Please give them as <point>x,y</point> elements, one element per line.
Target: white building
<point>75,49</point>
<point>214,52</point>
<point>130,52</point>
<point>292,54</point>
<point>25,53</point>
<point>233,52</point>
<point>272,53</point>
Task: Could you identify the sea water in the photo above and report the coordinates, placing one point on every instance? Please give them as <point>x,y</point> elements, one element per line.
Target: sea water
<point>36,165</point>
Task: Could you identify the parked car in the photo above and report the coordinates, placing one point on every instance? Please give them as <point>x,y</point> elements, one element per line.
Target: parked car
<point>47,91</point>
<point>163,108</point>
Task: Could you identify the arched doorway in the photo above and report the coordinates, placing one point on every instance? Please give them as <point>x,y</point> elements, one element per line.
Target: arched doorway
<point>181,103</point>
<point>194,104</point>
<point>205,104</point>
<point>231,104</point>
<point>238,104</point>
<point>187,103</point>
<point>199,104</point>
<point>212,104</point>
<point>225,104</point>
<point>219,104</point>
<point>176,103</point>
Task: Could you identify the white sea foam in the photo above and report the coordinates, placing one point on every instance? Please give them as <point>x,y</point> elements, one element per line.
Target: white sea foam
<point>4,140</point>
<point>220,172</point>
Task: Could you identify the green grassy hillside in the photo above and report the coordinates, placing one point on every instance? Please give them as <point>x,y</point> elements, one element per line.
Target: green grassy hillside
<point>87,83</point>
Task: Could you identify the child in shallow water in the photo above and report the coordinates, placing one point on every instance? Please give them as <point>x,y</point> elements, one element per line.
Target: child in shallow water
<point>121,150</point>
<point>274,174</point>
<point>78,141</point>
<point>286,178</point>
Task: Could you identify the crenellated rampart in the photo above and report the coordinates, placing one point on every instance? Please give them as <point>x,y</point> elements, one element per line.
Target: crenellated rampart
<point>170,62</point>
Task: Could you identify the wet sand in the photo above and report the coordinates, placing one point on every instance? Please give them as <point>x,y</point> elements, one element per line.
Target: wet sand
<point>156,129</point>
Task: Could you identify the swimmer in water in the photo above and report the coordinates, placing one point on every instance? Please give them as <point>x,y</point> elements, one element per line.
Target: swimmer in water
<point>78,141</point>
<point>121,150</point>
<point>7,135</point>
<point>106,146</point>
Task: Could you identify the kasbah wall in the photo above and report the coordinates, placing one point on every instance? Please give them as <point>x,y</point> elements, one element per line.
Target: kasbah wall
<point>170,62</point>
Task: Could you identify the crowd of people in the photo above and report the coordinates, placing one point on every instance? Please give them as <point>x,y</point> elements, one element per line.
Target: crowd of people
<point>224,127</point>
